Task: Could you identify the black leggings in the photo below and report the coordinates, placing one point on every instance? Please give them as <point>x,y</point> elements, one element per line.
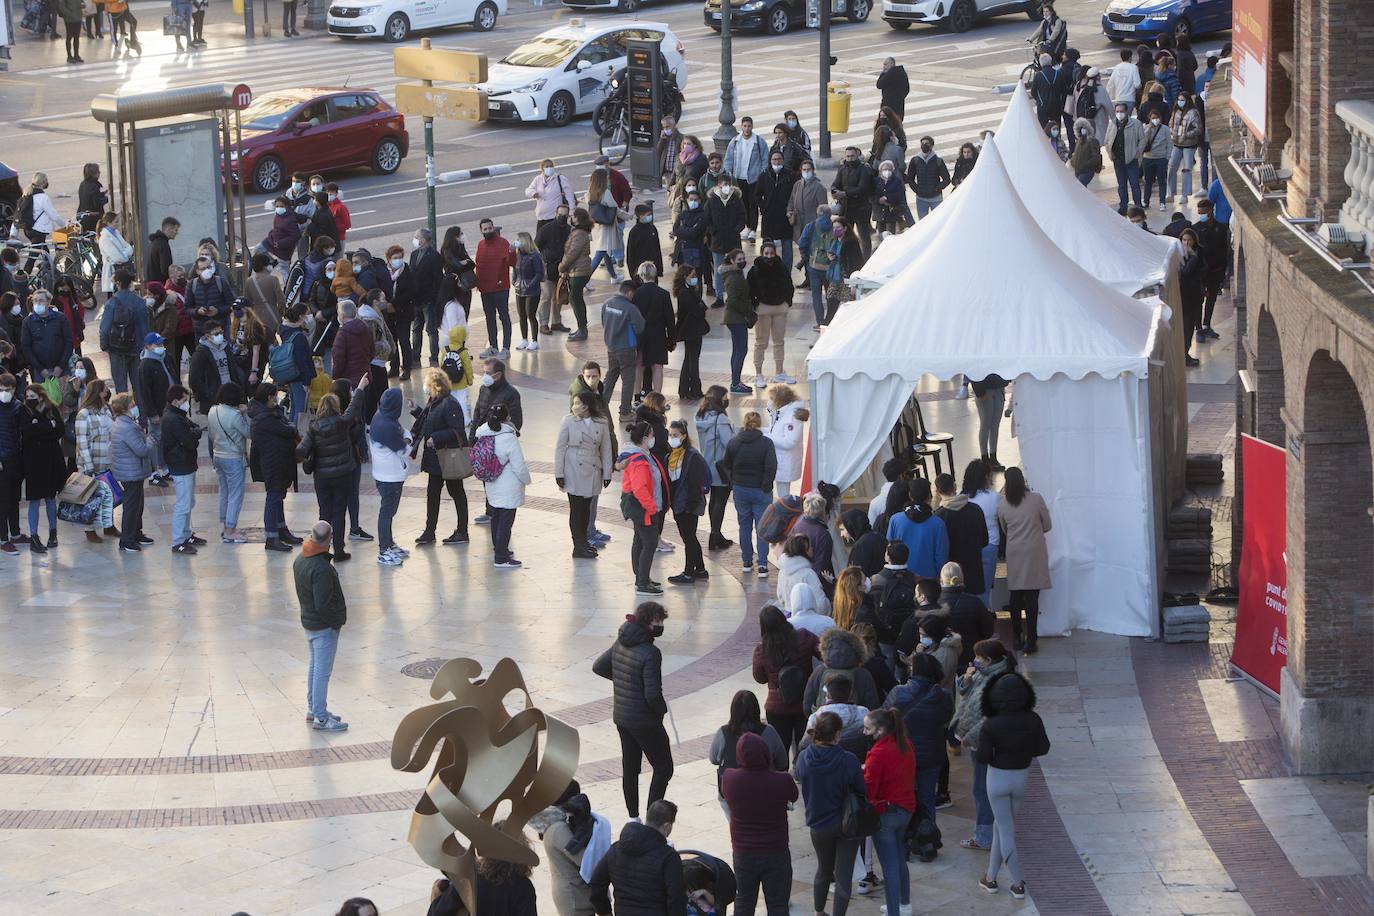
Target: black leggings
<point>635,744</point>
<point>789,728</point>
<point>288,17</point>
<point>1027,600</point>
<point>687,528</point>
<point>198,25</point>
<point>436,487</point>
<point>73,41</point>
<point>528,308</point>
<point>720,496</point>
<point>579,517</point>
<point>644,546</point>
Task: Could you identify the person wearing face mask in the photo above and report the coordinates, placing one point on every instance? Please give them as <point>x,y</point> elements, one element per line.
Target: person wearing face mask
<point>11,466</point>
<point>343,219</point>
<point>1093,103</point>
<point>281,240</point>
<point>725,222</point>
<point>1185,133</point>
<point>1153,103</point>
<point>400,280</point>
<point>622,323</point>
<point>774,192</point>
<point>298,195</point>
<point>656,339</point>
<point>1026,520</point>
<point>208,297</point>
<point>645,497</point>
<point>311,270</point>
<point>265,298</point>
<point>635,666</point>
<point>770,286</point>
<point>456,278</point>
<point>792,155</point>
<point>739,314</point>
<point>1214,242</point>
<point>506,493</point>
<point>214,363</point>
<point>180,448</point>
<point>689,481</point>
<point>1056,141</point>
<point>927,176</point>
<point>853,188</point>
<point>795,132</point>
<point>808,194</point>
<point>749,466</point>
<point>68,304</point>
<point>549,190</point>
<point>691,165</point>
<point>114,251</point>
<point>666,151</point>
<point>494,259</point>
<point>606,216</point>
<point>583,465</point>
<point>576,267</point>
<point>1125,141</point>
<point>822,244</point>
<point>689,234</point>
<point>154,381</point>
<point>746,158</point>
<point>45,338</point>
<point>964,163</point>
<point>690,329</point>
<point>551,240</point>
<point>926,708</point>
<point>892,213</point>
<point>1191,274</point>
<point>1154,158</point>
<point>323,307</point>
<point>41,462</point>
<point>92,430</point>
<point>642,246</point>
<point>131,458</point>
<point>1086,160</point>
<point>321,223</point>
<point>1166,74</point>
<point>123,325</point>
<point>990,658</point>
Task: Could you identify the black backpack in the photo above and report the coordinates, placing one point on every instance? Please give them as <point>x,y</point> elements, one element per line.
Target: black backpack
<point>792,683</point>
<point>897,600</point>
<point>122,331</point>
<point>453,365</point>
<point>23,213</point>
<point>1087,105</point>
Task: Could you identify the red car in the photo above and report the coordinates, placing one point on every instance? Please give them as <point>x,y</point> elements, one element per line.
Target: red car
<point>318,131</point>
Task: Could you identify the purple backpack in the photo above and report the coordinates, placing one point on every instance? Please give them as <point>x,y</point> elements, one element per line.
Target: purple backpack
<point>486,467</point>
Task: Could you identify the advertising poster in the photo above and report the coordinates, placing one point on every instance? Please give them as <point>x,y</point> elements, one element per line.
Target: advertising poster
<point>1261,648</point>
<point>1250,63</point>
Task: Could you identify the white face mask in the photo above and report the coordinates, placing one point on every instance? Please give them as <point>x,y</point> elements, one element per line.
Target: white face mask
<point>329,274</point>
<point>414,243</point>
<point>184,407</point>
<point>316,188</point>
<point>886,173</point>
<point>17,310</point>
<point>548,171</point>
<point>334,196</point>
<point>207,274</point>
<point>1121,115</point>
<point>133,411</point>
<point>217,340</point>
<point>649,444</point>
<point>808,175</point>
<point>691,205</point>
<point>674,442</point>
<point>80,373</point>
<point>1154,122</point>
<point>150,301</point>
<point>6,397</point>
<point>487,380</point>
<point>1054,131</point>
<point>281,211</point>
<point>691,188</point>
<point>777,166</point>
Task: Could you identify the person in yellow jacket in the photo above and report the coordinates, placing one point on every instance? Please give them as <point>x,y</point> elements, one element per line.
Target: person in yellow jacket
<point>320,384</point>
<point>123,24</point>
<point>459,377</point>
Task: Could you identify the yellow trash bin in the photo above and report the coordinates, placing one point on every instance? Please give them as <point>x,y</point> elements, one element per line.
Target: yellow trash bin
<point>237,7</point>
<point>837,99</point>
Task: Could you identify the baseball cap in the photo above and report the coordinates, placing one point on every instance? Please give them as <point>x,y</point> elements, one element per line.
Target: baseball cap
<point>152,339</point>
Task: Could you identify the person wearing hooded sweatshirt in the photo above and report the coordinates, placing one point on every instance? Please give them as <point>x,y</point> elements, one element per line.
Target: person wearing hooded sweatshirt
<point>1012,736</point>
<point>1086,160</point>
<point>506,493</point>
<point>634,665</point>
<point>388,445</point>
<point>794,567</point>
<point>646,871</point>
<point>809,609</point>
<point>820,249</point>
<point>990,658</point>
<point>758,797</point>
<point>841,652</point>
<point>644,497</point>
<point>828,774</point>
<point>926,709</point>
<point>212,365</point>
<point>967,529</point>
<point>926,537</point>
<point>867,547</point>
<point>745,719</point>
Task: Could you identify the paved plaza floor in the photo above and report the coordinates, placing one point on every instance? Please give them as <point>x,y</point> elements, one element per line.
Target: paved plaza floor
<point>153,756</point>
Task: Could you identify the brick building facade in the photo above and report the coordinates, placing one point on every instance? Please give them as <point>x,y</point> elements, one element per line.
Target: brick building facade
<point>1308,341</point>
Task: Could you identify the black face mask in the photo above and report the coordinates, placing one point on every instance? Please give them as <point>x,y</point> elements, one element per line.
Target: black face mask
<point>562,217</point>
<point>488,233</point>
<point>656,630</point>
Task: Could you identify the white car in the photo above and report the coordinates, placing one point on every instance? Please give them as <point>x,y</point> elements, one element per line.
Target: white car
<point>955,15</point>
<point>563,72</point>
<point>394,20</point>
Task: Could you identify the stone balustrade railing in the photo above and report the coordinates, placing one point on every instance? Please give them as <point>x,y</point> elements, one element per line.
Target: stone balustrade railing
<point>1358,212</point>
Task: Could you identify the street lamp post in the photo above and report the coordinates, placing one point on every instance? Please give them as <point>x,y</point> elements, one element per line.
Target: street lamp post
<point>726,131</point>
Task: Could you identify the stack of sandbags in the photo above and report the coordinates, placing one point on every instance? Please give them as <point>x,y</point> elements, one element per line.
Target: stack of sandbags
<point>1204,469</point>
<point>1189,522</point>
<point>1186,623</point>
<point>1190,555</point>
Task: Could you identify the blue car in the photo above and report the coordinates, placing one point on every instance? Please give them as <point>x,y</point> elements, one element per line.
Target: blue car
<point>1146,20</point>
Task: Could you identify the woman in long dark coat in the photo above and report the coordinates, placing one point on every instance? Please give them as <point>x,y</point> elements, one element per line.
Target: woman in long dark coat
<point>45,467</point>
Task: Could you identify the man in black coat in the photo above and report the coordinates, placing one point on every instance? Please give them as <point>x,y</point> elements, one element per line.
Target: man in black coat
<point>634,665</point>
<point>894,86</point>
<point>968,531</point>
<point>180,446</point>
<point>551,240</point>
<point>428,269</point>
<point>401,279</point>
<point>646,871</point>
<point>774,189</point>
<point>853,188</point>
<point>1214,246</point>
<point>160,249</point>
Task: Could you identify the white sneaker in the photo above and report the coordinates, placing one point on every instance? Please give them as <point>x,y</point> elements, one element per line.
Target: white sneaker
<point>534,345</point>
<point>389,559</point>
<point>784,379</point>
<point>903,908</point>
<point>523,345</point>
<point>760,382</point>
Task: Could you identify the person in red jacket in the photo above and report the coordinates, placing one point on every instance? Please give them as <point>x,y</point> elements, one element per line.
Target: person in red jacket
<point>890,778</point>
<point>343,220</point>
<point>758,796</point>
<point>782,646</point>
<point>644,481</point>
<point>495,257</point>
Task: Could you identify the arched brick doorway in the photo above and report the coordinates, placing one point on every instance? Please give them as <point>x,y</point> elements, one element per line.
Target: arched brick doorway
<point>1269,398</point>
<point>1328,687</point>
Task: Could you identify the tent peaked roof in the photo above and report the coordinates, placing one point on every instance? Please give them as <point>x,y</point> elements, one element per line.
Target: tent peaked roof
<point>990,293</point>
<point>1107,246</point>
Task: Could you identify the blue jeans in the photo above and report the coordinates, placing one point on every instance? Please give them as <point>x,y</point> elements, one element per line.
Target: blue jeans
<point>750,504</point>
<point>989,572</point>
<point>717,259</point>
<point>607,256</point>
<point>890,844</point>
<point>739,348</point>
<point>1153,172</point>
<point>300,398</point>
<point>817,278</point>
<point>185,485</point>
<point>230,474</point>
<point>274,513</point>
<point>982,824</point>
<point>785,249</point>
<point>391,501</point>
<point>323,644</point>
<point>925,204</point>
<point>33,514</point>
<point>1127,178</point>
<point>927,777</point>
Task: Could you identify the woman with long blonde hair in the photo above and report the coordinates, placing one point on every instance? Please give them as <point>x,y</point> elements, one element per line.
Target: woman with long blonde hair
<point>849,595</point>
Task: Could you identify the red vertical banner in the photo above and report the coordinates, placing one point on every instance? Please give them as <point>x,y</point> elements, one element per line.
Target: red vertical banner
<point>1261,648</point>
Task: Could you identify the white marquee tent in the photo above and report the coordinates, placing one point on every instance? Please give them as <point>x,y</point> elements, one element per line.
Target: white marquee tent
<point>1080,354</point>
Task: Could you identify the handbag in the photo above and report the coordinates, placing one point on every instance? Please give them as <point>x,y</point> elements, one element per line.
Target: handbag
<point>115,489</point>
<point>80,513</point>
<point>454,463</point>
<point>173,25</point>
<point>561,294</point>
<point>858,818</point>
<point>77,489</point>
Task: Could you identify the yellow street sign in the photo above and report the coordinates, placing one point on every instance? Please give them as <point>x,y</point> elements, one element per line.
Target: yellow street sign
<point>440,102</point>
<point>442,64</point>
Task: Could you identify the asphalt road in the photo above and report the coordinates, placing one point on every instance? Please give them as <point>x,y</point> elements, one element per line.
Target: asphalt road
<point>47,123</point>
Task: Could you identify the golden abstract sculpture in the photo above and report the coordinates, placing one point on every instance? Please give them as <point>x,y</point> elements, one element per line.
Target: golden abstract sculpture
<point>485,756</point>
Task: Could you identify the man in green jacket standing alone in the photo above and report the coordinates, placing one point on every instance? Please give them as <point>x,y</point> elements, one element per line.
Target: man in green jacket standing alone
<point>323,614</point>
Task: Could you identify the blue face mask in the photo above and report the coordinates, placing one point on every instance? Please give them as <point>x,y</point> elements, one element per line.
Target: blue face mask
<point>978,665</point>
<point>1203,217</point>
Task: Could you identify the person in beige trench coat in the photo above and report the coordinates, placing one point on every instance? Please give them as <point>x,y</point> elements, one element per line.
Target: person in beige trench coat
<point>1025,518</point>
<point>582,465</point>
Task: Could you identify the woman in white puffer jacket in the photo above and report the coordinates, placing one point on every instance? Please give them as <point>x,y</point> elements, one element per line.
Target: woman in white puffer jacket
<point>787,416</point>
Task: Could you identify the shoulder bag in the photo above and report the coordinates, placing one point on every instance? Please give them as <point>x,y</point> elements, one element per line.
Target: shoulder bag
<point>858,818</point>
<point>454,463</point>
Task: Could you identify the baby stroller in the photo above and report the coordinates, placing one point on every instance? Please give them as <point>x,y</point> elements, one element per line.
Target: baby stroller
<point>710,883</point>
